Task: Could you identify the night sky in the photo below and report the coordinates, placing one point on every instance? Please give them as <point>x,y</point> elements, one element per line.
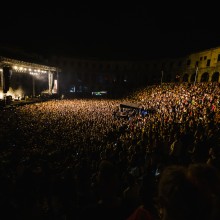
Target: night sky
<point>109,31</point>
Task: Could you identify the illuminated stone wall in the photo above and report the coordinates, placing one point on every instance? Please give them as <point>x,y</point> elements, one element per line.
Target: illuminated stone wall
<point>204,66</point>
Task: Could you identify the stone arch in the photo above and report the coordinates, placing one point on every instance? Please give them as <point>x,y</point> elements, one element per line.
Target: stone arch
<point>205,77</point>
<point>185,78</point>
<point>215,77</point>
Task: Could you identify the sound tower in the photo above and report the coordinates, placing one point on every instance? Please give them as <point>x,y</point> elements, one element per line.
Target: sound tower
<point>7,72</point>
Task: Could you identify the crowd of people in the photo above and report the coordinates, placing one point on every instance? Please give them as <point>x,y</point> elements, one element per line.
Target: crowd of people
<point>73,159</point>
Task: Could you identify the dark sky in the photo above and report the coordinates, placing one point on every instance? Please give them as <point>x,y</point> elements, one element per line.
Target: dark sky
<point>109,31</point>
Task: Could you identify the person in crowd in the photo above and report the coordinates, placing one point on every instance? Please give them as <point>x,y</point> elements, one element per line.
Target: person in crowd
<point>179,198</point>
<point>207,179</point>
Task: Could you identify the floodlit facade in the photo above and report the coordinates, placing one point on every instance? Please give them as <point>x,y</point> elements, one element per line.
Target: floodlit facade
<point>202,66</point>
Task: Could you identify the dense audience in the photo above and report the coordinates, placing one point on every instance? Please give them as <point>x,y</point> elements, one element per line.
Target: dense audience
<point>79,158</point>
